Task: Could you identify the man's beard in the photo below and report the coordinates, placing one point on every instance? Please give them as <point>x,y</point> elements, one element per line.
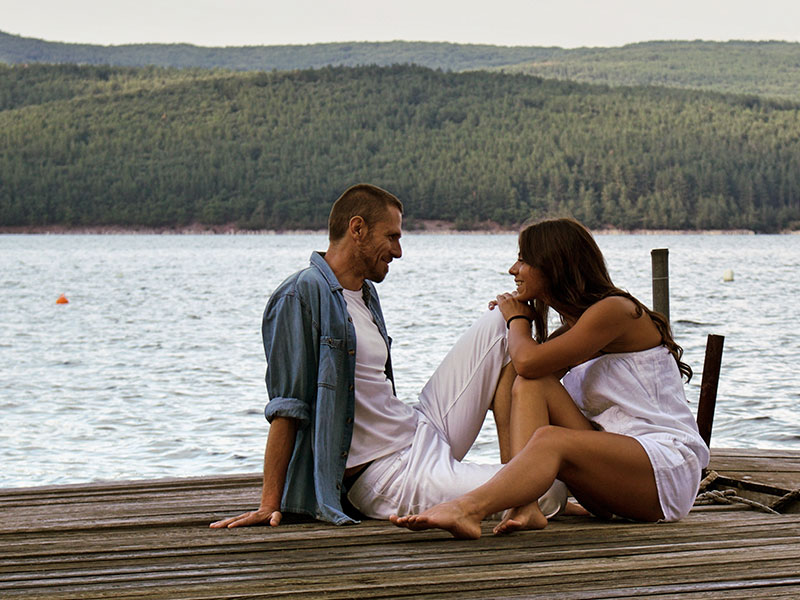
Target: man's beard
<point>372,270</point>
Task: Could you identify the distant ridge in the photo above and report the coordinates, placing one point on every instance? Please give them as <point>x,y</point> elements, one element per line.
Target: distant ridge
<point>434,55</point>
<point>763,68</point>
<point>757,68</point>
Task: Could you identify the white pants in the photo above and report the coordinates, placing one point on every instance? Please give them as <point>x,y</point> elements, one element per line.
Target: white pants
<point>452,408</point>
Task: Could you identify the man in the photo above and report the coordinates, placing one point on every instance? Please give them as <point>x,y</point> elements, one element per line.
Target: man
<point>337,426</point>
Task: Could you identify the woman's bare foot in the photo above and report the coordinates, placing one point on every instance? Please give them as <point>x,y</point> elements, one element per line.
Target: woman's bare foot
<point>523,517</point>
<point>451,516</point>
<point>531,517</point>
<point>576,510</point>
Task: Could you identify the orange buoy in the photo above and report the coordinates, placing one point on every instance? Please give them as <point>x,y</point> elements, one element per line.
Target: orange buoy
<point>62,299</point>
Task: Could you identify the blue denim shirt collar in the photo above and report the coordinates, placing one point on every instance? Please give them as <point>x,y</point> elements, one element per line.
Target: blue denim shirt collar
<point>318,260</point>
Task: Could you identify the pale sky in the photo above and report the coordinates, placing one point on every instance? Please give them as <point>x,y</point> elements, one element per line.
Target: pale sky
<point>566,23</point>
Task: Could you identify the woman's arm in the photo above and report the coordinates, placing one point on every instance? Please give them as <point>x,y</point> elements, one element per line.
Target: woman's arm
<point>601,325</point>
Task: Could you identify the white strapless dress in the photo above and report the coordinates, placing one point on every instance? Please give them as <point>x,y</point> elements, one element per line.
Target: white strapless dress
<point>640,394</point>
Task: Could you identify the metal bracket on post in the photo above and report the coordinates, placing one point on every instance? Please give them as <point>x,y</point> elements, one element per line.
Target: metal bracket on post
<point>660,265</point>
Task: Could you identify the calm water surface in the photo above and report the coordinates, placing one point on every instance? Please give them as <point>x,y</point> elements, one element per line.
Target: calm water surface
<point>155,367</point>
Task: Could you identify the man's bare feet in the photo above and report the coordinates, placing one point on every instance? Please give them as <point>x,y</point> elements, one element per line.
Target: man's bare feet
<point>450,516</point>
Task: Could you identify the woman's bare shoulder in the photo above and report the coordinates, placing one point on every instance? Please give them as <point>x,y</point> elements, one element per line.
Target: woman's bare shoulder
<point>619,306</point>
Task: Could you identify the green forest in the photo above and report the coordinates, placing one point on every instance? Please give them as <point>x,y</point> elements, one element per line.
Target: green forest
<point>154,146</point>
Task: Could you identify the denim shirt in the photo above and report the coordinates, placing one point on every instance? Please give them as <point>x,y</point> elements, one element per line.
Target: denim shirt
<point>310,344</point>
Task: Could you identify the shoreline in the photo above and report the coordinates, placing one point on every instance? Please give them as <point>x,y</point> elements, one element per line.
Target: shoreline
<point>421,226</point>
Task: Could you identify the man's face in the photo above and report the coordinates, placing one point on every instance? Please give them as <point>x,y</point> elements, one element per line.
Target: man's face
<point>382,245</point>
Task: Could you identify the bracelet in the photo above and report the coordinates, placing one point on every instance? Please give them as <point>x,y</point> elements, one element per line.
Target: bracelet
<point>527,318</point>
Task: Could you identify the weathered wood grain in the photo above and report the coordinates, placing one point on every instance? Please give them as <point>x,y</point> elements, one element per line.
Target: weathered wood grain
<point>150,539</point>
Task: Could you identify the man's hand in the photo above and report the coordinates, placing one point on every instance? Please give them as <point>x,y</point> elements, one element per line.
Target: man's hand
<point>277,453</point>
<point>254,517</point>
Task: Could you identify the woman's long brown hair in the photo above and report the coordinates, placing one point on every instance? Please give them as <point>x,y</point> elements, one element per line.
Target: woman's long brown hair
<point>574,266</point>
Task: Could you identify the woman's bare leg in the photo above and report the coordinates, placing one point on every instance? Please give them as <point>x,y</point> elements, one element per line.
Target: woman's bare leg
<point>540,402</point>
<point>536,403</point>
<point>606,470</point>
<point>501,408</point>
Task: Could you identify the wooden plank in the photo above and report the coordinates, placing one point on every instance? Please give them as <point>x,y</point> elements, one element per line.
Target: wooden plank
<point>525,543</point>
<point>515,547</point>
<point>755,466</point>
<point>324,570</point>
<point>171,483</point>
<point>177,541</point>
<point>770,454</point>
<point>375,532</point>
<point>532,576</point>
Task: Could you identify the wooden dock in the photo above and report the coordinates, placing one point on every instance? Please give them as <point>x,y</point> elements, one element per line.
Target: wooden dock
<point>150,539</point>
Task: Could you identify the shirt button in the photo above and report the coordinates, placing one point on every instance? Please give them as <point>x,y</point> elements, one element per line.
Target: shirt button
<point>344,454</point>
<point>349,420</point>
<point>351,352</point>
<point>349,319</point>
<point>352,387</point>
<point>338,486</point>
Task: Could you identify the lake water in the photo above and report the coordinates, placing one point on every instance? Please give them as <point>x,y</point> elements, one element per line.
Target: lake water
<point>155,367</point>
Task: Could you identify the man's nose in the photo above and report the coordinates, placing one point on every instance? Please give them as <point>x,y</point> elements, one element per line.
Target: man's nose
<point>397,251</point>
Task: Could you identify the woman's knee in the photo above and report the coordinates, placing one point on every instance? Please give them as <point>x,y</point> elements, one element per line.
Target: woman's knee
<point>547,445</point>
<point>549,438</point>
<point>531,389</point>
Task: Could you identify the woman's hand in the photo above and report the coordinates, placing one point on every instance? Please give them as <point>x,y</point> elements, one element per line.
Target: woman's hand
<point>510,306</point>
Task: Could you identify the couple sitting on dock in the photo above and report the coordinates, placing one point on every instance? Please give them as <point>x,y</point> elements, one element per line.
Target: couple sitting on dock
<point>595,410</point>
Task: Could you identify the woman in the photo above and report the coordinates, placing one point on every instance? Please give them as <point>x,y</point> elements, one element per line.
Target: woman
<point>616,429</point>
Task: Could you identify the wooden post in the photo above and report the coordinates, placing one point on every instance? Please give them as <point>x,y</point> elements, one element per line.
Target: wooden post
<point>708,386</point>
<point>660,261</point>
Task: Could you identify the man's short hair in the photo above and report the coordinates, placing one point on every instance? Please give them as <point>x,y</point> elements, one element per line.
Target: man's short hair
<point>364,200</point>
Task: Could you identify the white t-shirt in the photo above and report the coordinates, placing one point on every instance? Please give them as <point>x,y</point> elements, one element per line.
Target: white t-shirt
<point>383,423</point>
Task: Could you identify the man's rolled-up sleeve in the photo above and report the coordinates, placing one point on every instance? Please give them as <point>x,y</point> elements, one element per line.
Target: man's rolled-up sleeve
<point>289,344</point>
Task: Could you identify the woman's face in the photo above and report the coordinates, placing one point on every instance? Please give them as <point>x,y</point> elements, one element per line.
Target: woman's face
<point>531,282</point>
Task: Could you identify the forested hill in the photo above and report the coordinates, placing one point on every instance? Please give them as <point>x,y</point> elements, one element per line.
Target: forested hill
<point>111,145</point>
<point>762,68</point>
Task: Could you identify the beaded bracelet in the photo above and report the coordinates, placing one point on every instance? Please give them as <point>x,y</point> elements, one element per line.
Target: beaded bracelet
<point>527,318</point>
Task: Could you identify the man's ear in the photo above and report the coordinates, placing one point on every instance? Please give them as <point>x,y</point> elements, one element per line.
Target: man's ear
<point>357,228</point>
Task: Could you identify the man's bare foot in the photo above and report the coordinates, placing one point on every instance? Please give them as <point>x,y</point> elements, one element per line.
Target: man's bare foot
<point>523,517</point>
<point>450,516</point>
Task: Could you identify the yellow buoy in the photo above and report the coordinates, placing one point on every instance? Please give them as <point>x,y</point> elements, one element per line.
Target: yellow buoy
<point>727,275</point>
<point>62,299</point>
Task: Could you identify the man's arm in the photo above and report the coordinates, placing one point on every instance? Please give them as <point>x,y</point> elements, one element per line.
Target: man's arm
<point>278,452</point>
<point>289,341</point>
